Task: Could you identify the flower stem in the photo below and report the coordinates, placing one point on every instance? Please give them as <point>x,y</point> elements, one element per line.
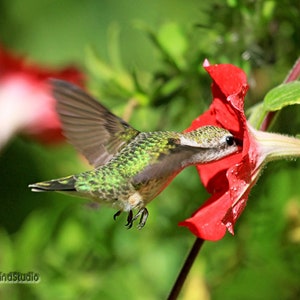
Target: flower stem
<point>185,269</point>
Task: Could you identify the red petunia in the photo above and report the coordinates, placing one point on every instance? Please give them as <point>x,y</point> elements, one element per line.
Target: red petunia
<point>26,102</point>
<point>230,179</point>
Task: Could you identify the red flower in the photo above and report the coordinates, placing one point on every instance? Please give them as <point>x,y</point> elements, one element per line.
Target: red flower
<point>26,103</point>
<point>230,180</point>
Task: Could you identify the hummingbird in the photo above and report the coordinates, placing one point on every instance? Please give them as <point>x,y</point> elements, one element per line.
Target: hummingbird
<point>130,167</point>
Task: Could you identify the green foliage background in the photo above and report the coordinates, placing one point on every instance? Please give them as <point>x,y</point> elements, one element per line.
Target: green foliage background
<point>143,59</point>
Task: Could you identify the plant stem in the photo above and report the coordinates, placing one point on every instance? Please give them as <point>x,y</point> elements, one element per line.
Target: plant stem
<point>292,76</point>
<point>185,269</point>
<point>294,73</point>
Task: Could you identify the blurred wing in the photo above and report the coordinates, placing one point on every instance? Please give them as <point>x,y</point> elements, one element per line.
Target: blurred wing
<point>168,164</point>
<point>90,127</point>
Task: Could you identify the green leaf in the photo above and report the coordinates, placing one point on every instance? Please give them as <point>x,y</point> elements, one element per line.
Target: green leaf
<point>283,95</point>
<point>172,39</point>
<point>101,70</point>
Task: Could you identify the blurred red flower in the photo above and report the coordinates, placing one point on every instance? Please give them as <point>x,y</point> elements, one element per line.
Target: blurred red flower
<point>26,102</point>
<point>230,179</point>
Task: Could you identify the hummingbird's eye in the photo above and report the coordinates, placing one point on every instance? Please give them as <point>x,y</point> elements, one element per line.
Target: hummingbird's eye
<point>230,140</point>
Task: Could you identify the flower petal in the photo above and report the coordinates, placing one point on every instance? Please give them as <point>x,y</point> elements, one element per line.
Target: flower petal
<point>26,101</point>
<point>206,222</point>
<point>227,179</point>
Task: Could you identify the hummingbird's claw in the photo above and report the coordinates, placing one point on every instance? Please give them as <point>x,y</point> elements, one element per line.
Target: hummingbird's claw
<point>144,216</point>
<point>117,214</point>
<point>142,213</point>
<point>130,220</point>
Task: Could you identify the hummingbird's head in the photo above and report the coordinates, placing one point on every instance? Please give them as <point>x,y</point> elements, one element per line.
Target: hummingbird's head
<point>213,143</point>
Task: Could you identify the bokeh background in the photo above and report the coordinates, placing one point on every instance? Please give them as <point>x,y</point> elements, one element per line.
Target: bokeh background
<point>143,60</point>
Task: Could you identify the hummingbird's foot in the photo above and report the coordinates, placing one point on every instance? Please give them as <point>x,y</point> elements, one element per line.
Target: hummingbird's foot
<point>130,220</point>
<point>143,214</point>
<point>117,214</point>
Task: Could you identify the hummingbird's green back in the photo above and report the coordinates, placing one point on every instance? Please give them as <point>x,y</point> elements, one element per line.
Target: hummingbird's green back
<point>119,178</point>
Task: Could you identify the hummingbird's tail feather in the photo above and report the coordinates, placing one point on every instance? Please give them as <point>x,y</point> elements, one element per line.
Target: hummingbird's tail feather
<point>66,184</point>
